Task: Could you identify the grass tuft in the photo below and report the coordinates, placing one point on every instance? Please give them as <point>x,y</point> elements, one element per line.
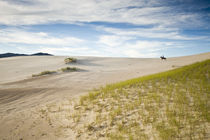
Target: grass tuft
<point>69,69</point>
<point>43,73</point>
<point>70,60</point>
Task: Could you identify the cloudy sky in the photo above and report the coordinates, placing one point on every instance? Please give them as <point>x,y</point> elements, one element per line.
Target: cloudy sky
<point>116,28</point>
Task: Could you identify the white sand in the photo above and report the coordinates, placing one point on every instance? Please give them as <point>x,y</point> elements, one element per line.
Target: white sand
<point>19,92</point>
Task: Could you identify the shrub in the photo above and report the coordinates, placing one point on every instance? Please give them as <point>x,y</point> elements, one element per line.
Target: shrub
<point>69,69</point>
<point>44,73</point>
<point>70,60</point>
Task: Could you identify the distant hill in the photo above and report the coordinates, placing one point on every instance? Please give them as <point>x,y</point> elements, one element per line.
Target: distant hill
<point>16,54</point>
<point>40,53</point>
<point>11,55</point>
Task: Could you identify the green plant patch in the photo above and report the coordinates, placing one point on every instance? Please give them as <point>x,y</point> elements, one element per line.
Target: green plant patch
<point>70,60</point>
<point>44,73</point>
<point>69,69</point>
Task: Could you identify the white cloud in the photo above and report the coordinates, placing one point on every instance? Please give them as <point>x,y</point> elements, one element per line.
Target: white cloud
<point>163,21</point>
<point>72,51</point>
<point>113,40</point>
<point>155,32</point>
<point>117,45</point>
<point>71,11</point>
<point>23,41</point>
<point>135,53</point>
<point>40,38</point>
<point>148,45</point>
<point>145,48</point>
<point>128,42</point>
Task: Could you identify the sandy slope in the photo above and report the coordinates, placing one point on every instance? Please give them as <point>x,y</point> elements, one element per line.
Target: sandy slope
<point>20,92</point>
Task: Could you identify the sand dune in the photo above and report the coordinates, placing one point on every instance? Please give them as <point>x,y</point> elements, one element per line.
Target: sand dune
<point>18,90</point>
<point>20,93</point>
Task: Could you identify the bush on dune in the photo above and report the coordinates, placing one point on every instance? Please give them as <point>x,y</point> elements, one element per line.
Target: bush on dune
<point>69,69</point>
<point>70,60</point>
<point>66,69</point>
<point>44,73</point>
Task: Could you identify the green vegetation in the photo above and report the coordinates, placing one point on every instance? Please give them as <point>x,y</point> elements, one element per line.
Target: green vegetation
<point>44,73</point>
<point>69,69</point>
<point>70,60</point>
<point>168,105</point>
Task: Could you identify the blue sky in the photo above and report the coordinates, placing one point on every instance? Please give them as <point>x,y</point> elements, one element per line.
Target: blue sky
<point>114,28</point>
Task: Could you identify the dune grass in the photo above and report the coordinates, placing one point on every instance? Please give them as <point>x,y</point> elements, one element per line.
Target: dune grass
<point>44,73</point>
<point>69,69</point>
<point>47,72</point>
<point>70,60</point>
<point>166,106</point>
